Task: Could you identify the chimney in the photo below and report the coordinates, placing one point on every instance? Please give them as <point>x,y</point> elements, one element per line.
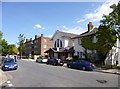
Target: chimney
<point>26,40</point>
<point>90,26</point>
<point>35,36</point>
<point>30,39</point>
<point>41,35</point>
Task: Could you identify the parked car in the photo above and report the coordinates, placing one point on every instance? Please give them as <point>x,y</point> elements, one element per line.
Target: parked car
<point>9,64</point>
<point>55,61</point>
<point>41,60</point>
<point>81,64</point>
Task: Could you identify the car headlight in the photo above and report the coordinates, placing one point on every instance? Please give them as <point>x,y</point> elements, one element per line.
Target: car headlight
<point>6,66</point>
<point>15,65</point>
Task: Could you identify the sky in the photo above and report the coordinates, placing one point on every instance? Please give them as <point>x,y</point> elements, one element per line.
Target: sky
<point>35,18</point>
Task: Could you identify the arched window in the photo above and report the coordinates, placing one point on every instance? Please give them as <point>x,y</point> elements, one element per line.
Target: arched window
<point>55,44</point>
<point>58,43</point>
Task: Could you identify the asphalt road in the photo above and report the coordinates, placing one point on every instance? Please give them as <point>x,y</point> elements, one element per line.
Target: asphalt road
<point>31,74</point>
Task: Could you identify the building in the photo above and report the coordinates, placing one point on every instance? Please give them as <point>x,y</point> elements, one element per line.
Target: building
<point>113,57</point>
<point>28,47</point>
<point>36,47</point>
<point>79,50</point>
<point>63,45</point>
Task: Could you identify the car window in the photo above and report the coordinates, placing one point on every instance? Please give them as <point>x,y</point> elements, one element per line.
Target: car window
<point>9,60</point>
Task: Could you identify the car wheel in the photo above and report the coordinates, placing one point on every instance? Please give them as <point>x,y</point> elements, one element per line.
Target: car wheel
<point>83,68</point>
<point>2,68</point>
<point>68,66</point>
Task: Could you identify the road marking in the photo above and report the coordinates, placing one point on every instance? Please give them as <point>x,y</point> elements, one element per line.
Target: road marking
<point>8,82</point>
<point>10,85</point>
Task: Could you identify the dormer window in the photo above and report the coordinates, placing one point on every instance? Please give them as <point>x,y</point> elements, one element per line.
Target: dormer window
<point>79,41</point>
<point>58,43</point>
<point>94,39</point>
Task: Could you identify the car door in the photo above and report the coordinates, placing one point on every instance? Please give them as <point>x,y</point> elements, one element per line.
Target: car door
<point>78,64</point>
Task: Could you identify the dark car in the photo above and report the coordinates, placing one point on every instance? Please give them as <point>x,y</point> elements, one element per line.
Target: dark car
<point>81,64</point>
<point>55,61</point>
<point>39,60</point>
<point>9,64</point>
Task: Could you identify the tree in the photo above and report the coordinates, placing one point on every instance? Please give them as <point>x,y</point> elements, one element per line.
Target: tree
<point>4,47</point>
<point>21,39</point>
<point>12,49</point>
<point>107,31</point>
<point>106,34</point>
<point>106,39</point>
<point>113,19</point>
<point>0,43</point>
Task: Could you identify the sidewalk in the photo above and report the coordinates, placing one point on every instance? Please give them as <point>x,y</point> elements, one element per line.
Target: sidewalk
<point>3,77</point>
<point>28,59</point>
<point>111,71</point>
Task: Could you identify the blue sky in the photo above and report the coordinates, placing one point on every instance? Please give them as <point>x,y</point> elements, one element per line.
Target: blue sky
<point>35,18</point>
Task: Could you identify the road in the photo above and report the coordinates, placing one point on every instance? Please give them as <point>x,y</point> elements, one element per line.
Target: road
<point>31,74</point>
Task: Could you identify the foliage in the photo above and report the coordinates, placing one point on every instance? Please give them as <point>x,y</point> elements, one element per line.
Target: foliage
<point>4,47</point>
<point>106,39</point>
<point>12,49</point>
<point>0,43</point>
<point>111,67</point>
<point>106,34</point>
<point>21,39</point>
<point>113,19</point>
<point>87,43</point>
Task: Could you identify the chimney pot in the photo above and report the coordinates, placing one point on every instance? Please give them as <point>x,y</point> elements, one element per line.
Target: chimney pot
<point>90,26</point>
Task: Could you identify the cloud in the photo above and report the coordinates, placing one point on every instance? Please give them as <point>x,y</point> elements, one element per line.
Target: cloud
<point>38,26</point>
<point>75,30</point>
<point>97,14</point>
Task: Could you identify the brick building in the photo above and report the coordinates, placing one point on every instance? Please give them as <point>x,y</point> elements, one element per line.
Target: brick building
<point>37,46</point>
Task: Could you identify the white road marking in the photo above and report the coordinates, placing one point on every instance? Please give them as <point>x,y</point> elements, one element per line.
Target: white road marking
<point>8,82</point>
<point>10,85</point>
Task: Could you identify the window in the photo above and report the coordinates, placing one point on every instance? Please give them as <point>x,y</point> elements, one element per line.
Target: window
<point>78,54</point>
<point>79,41</point>
<point>94,39</point>
<point>58,43</point>
<point>55,44</point>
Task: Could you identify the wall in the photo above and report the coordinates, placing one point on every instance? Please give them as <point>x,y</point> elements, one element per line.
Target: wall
<point>78,47</point>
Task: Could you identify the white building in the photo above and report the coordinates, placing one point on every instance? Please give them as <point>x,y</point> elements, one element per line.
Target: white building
<point>63,45</point>
<point>113,58</point>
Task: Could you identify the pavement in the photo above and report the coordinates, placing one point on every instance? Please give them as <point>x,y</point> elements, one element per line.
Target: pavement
<point>3,77</point>
<point>29,59</point>
<point>110,71</point>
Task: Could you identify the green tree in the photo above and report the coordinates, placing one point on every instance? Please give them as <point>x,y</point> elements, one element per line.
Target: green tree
<point>107,31</point>
<point>4,47</point>
<point>0,43</point>
<point>21,39</point>
<point>106,40</point>
<point>12,49</point>
<point>106,34</point>
<point>113,19</point>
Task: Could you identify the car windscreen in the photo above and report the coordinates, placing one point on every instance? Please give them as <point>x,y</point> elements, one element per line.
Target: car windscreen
<point>9,60</point>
